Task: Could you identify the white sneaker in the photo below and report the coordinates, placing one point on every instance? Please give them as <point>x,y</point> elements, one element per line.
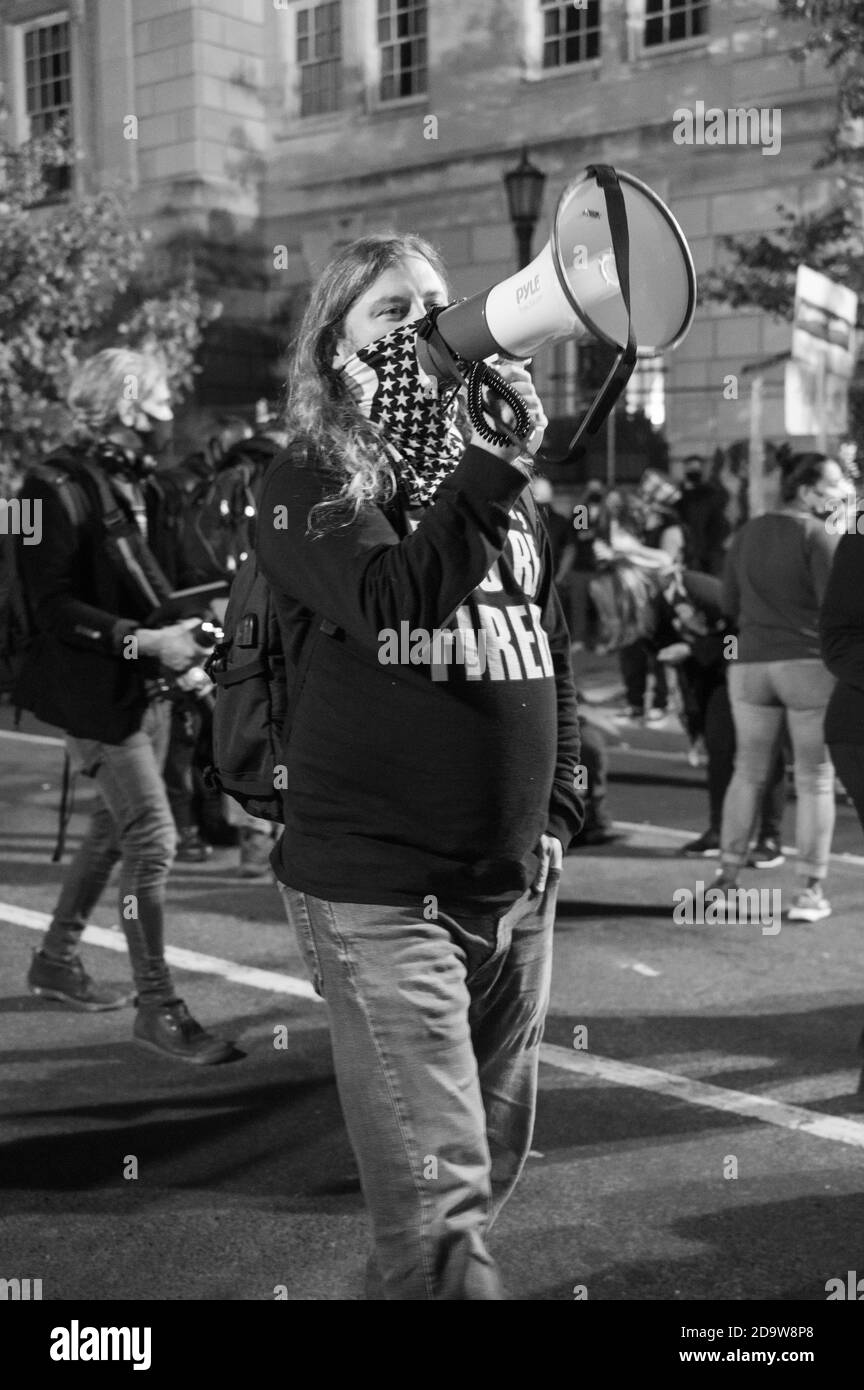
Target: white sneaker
<point>810,905</point>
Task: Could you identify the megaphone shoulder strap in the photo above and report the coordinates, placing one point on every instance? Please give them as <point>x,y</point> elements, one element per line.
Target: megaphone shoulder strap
<point>622,368</point>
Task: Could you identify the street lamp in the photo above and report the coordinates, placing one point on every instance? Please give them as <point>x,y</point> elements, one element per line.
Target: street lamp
<point>524,186</point>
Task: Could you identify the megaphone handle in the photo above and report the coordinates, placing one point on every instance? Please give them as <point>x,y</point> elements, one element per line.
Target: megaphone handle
<point>475,375</point>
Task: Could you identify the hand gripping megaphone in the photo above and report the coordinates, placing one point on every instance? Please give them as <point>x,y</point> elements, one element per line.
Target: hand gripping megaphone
<point>616,268</point>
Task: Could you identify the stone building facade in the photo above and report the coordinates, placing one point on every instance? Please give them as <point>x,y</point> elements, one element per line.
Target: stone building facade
<point>300,124</point>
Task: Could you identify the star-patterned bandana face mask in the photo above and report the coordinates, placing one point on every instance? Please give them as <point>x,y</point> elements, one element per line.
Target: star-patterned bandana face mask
<point>419,426</point>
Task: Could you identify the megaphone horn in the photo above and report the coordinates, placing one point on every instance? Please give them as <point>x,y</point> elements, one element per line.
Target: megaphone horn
<point>616,267</point>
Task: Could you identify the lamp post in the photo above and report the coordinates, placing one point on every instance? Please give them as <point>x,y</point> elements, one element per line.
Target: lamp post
<point>524,186</point>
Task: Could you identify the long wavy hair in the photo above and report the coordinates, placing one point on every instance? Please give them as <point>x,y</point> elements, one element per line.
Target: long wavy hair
<point>320,411</point>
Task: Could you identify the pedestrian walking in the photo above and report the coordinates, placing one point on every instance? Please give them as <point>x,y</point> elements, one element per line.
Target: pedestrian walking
<point>429,806</point>
<point>95,670</point>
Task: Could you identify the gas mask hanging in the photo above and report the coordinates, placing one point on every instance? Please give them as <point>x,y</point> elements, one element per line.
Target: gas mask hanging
<point>416,419</point>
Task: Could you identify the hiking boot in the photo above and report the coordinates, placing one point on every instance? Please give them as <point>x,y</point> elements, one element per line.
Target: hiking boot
<point>255,848</point>
<point>192,848</point>
<point>169,1028</point>
<point>706,847</point>
<point>765,854</point>
<point>810,905</point>
<point>69,982</point>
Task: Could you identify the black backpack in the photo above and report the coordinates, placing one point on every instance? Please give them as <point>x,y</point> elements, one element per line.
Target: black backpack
<point>62,472</point>
<point>251,697</point>
<point>200,522</point>
<point>254,690</point>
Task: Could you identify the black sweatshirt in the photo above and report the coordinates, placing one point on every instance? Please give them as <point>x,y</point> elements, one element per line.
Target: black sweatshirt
<point>406,780</point>
<point>842,631</point>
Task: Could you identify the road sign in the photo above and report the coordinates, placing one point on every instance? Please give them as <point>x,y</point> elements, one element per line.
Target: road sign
<point>823,332</point>
<point>815,402</point>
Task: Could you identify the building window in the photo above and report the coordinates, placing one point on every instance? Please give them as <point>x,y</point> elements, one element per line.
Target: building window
<point>319,58</point>
<point>669,21</point>
<point>571,34</point>
<point>402,43</point>
<point>48,89</point>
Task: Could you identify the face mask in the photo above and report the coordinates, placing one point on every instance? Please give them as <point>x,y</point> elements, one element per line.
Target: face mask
<point>158,436</point>
<point>385,380</point>
<point>825,505</point>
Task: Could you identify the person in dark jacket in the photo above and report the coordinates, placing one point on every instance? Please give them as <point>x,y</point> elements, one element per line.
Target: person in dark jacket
<point>842,637</point>
<point>842,634</point>
<point>432,763</point>
<point>702,509</point>
<point>94,671</point>
<point>190,743</point>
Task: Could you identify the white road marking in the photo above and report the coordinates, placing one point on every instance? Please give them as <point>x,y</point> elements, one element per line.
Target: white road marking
<point>638,967</point>
<point>648,827</point>
<point>672,756</point>
<point>33,738</point>
<point>684,1088</point>
<point>114,940</point>
<point>606,1069</point>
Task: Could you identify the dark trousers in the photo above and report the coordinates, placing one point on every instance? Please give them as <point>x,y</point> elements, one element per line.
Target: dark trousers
<point>637,662</point>
<point>848,760</point>
<point>187,719</point>
<point>595,760</point>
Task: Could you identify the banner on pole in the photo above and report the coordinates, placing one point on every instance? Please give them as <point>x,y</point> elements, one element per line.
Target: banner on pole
<point>823,330</point>
<point>804,411</point>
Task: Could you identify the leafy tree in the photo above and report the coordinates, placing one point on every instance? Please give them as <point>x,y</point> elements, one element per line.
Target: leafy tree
<point>760,269</point>
<point>72,280</point>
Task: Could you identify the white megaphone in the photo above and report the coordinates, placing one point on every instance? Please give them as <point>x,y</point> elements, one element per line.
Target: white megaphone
<point>617,268</point>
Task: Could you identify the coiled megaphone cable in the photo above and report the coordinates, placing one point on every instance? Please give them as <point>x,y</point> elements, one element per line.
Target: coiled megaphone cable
<point>478,377</point>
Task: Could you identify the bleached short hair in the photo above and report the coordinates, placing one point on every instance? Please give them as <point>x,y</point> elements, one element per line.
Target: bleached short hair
<point>104,381</point>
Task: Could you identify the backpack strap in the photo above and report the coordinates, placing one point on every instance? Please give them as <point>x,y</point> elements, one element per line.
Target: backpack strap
<point>125,546</point>
<point>58,470</point>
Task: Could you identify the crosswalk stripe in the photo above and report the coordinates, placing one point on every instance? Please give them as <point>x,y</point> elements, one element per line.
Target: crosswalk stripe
<point>114,940</point>
<point>682,1088</point>
<point>687,1089</point>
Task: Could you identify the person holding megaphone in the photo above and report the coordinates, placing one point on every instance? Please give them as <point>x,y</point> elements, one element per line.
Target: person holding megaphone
<point>431,762</point>
<point>430,793</point>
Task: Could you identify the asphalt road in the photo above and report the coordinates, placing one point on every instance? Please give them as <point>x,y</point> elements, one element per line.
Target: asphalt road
<point>700,1133</point>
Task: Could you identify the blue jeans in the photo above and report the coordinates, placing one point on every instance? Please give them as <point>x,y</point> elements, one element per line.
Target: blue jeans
<point>436,1028</point>
<point>760,693</point>
<point>133,825</point>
